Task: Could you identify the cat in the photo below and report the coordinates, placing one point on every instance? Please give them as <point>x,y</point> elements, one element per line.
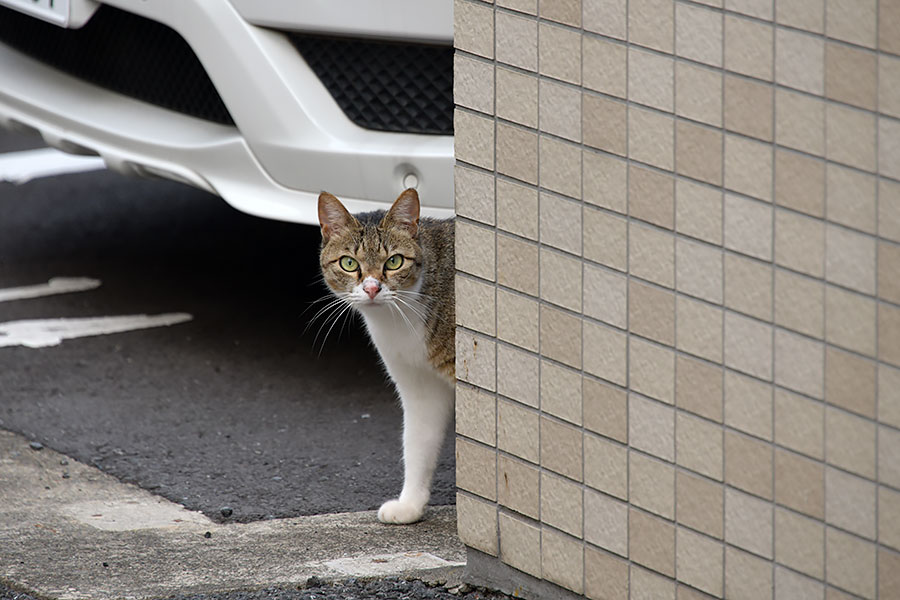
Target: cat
<point>397,271</point>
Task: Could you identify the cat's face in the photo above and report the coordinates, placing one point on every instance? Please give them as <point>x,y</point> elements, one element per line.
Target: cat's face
<point>371,264</point>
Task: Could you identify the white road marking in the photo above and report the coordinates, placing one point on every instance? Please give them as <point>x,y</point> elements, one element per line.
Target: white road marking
<point>375,565</point>
<point>57,285</point>
<point>40,333</point>
<point>20,167</point>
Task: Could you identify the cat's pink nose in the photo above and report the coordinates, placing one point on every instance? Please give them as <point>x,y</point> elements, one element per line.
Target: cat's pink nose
<point>372,288</point>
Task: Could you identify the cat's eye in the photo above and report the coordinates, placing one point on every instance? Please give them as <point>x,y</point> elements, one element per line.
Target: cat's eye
<point>349,264</point>
<point>394,262</point>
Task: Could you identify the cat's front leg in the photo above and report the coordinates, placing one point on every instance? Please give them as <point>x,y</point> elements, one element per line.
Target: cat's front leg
<point>427,408</point>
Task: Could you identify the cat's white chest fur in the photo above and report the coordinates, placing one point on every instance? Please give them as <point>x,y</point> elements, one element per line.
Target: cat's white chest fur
<point>400,339</point>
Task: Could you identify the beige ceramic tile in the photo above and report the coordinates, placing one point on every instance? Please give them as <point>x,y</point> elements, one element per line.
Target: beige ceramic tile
<point>517,153</point>
<point>889,334</point>
<point>800,61</point>
<point>850,442</point>
<point>605,577</point>
<point>748,107</point>
<point>799,424</point>
<point>889,147</point>
<point>852,21</point>
<point>700,503</point>
<point>560,110</point>
<point>476,361</point>
<point>748,227</point>
<point>517,96</point>
<point>605,181</point>
<point>748,464</point>
<point>473,83</point>
<point>888,573</point>
<point>561,448</point>
<point>800,243</point>
<point>608,242</point>
<point>850,137</point>
<point>651,137</point>
<point>605,124</point>
<point>561,392</point>
<point>476,413</point>
<point>518,486</point>
<point>605,410</point>
<point>889,395</point>
<point>800,543</point>
<point>888,84</point>
<point>888,451</point>
<point>561,336</point>
<point>651,542</point>
<point>651,24</point>
<point>647,584</point>
<point>748,346</point>
<point>560,167</point>
<point>520,544</point>
<point>699,387</point>
<point>790,585</point>
<point>889,272</point>
<point>606,522</point>
<point>559,52</point>
<point>517,320</point>
<point>850,259</point>
<point>800,122</point>
<point>850,382</point>
<point>604,352</point>
<point>651,79</point>
<point>698,445</point>
<point>748,523</point>
<point>850,502</point>
<point>748,286</point>
<point>699,330</point>
<point>851,198</point>
<point>748,47</point>
<point>517,41</point>
<point>698,211</point>
<point>560,223</point>
<point>748,405</point>
<point>698,34</point>
<point>800,303</point>
<point>761,9</point>
<point>518,430</point>
<point>851,75</point>
<point>526,6</point>
<point>850,563</point>
<point>517,208</point>
<point>561,504</point>
<point>698,152</point>
<point>561,279</point>
<point>850,320</point>
<point>604,66</point>
<point>517,375</point>
<point>700,562</point>
<point>748,167</point>
<point>698,270</point>
<point>889,517</point>
<point>474,143</point>
<point>698,92</point>
<point>799,182</point>
<point>652,254</point>
<point>747,577</point>
<point>889,26</point>
<point>651,485</point>
<point>476,307</point>
<point>607,17</point>
<point>651,196</point>
<point>473,28</point>
<point>606,466</point>
<point>605,295</point>
<point>800,483</point>
<point>800,363</point>
<point>474,194</point>
<point>651,312</point>
<point>651,427</point>
<point>476,469</point>
<point>567,12</point>
<point>477,523</point>
<point>475,250</point>
<point>651,370</point>
<point>808,15</point>
<point>520,264</point>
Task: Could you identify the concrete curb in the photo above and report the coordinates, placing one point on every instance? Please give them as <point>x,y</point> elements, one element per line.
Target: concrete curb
<point>90,536</point>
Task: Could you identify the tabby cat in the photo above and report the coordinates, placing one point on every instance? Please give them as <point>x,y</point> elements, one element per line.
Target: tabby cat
<point>397,271</point>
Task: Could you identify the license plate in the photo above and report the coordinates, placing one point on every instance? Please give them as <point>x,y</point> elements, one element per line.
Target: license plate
<point>54,11</point>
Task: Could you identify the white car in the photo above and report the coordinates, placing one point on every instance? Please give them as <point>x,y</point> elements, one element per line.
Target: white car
<point>263,102</point>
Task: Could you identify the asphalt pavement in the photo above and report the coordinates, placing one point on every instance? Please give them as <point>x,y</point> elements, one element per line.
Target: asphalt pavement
<point>241,407</point>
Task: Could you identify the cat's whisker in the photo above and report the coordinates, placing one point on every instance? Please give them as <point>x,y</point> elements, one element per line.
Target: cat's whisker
<point>333,323</point>
<point>334,311</point>
<point>416,311</point>
<point>402,315</point>
<point>332,304</point>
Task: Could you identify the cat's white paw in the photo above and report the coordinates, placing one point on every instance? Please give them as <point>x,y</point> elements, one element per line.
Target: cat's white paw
<point>396,511</point>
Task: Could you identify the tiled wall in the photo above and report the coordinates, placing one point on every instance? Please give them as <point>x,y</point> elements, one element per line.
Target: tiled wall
<point>679,295</point>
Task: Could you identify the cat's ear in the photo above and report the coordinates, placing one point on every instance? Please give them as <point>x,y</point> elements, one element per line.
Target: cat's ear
<point>405,212</point>
<point>333,217</point>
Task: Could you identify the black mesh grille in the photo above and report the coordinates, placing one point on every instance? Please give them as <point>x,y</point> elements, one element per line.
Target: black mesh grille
<point>124,53</point>
<point>385,86</point>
